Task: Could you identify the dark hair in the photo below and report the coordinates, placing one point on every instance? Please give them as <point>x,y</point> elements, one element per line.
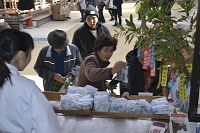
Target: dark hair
<point>12,41</point>
<point>105,41</point>
<point>131,55</point>
<point>57,39</point>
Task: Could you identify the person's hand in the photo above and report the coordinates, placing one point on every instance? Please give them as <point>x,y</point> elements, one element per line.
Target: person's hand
<point>125,95</point>
<point>118,66</point>
<point>59,78</point>
<point>68,77</point>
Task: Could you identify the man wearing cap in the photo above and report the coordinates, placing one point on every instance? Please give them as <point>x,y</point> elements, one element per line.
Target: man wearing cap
<point>85,36</point>
<point>58,62</point>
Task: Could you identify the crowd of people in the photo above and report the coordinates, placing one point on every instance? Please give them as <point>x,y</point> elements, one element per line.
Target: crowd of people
<point>83,62</point>
<point>114,8</point>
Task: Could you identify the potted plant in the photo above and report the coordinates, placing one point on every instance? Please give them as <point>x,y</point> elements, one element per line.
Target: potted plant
<point>168,41</point>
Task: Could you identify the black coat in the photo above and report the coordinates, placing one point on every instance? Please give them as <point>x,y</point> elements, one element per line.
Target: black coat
<point>135,75</point>
<point>84,39</point>
<point>117,2</point>
<point>136,78</point>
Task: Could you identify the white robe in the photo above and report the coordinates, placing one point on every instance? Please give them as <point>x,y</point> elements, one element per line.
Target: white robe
<point>23,107</point>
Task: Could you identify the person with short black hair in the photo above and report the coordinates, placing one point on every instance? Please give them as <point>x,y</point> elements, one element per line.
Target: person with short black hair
<point>85,36</point>
<point>93,70</point>
<point>58,62</point>
<point>24,109</point>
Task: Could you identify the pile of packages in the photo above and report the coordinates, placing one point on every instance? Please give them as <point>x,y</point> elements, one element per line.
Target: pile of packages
<point>78,98</point>
<point>106,103</point>
<point>86,98</point>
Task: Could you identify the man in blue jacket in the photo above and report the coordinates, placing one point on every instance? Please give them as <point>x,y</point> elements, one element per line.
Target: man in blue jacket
<point>58,62</point>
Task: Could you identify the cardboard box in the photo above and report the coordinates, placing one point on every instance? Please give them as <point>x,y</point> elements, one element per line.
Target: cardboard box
<point>57,12</point>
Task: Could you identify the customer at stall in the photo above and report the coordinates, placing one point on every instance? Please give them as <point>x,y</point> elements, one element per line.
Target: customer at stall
<point>58,62</point>
<point>23,108</point>
<point>85,36</point>
<point>135,75</point>
<point>93,70</point>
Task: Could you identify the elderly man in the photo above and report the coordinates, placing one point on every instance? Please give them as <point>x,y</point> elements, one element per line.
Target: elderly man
<point>58,62</point>
<point>85,36</point>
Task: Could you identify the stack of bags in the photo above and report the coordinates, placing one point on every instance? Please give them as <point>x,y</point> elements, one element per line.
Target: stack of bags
<point>160,106</point>
<point>78,98</point>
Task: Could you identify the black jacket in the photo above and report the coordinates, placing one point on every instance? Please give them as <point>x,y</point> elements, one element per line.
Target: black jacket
<point>135,75</point>
<point>117,3</point>
<point>84,39</point>
<point>136,78</point>
<point>25,4</point>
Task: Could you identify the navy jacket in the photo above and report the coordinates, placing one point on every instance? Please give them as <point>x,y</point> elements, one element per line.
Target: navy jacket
<point>45,65</point>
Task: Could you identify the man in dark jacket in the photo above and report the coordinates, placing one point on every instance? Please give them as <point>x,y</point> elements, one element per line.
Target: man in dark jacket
<point>135,75</point>
<point>58,62</point>
<point>85,36</point>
